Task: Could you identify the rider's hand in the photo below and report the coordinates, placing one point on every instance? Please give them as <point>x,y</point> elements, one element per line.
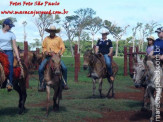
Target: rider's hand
<point>109,54</point>
<point>161,57</point>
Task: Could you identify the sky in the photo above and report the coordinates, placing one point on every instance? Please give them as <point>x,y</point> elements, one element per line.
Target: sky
<point>120,12</point>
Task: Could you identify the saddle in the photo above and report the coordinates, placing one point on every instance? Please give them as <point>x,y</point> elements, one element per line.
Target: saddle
<point>5,65</point>
<point>113,65</point>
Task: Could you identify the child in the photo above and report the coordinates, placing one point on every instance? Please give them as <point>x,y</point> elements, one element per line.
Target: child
<point>150,46</point>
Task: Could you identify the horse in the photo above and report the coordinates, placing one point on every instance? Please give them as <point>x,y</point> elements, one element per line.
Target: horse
<point>98,68</point>
<point>53,78</point>
<point>139,77</point>
<point>19,80</point>
<point>147,75</point>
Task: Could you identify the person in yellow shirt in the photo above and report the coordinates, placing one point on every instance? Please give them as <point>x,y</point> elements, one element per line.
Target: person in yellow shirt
<point>52,43</point>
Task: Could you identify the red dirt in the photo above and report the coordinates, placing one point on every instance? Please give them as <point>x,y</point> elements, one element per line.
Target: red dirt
<point>126,116</point>
<point>123,116</point>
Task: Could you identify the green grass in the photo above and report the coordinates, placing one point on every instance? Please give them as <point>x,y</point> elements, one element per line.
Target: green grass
<point>77,103</point>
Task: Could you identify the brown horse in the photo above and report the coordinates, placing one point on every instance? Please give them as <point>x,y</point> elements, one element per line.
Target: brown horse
<point>19,84</point>
<point>99,70</point>
<point>53,78</point>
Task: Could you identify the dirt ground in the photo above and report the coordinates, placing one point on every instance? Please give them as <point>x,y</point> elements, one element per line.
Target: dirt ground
<point>126,116</point>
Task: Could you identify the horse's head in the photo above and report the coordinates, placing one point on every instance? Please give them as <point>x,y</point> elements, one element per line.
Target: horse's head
<point>139,72</point>
<point>87,59</point>
<point>55,63</point>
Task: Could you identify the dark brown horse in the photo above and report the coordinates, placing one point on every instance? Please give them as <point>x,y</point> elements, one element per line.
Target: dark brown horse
<point>98,68</point>
<point>19,84</point>
<point>53,79</point>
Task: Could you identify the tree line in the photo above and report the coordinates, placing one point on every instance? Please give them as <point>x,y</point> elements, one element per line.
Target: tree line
<point>81,28</point>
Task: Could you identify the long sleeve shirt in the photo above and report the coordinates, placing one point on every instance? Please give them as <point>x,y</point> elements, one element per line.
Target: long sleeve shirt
<point>56,44</point>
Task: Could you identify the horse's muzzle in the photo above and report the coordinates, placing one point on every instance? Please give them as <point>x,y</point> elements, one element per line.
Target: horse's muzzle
<point>85,67</point>
<point>137,85</point>
<point>57,72</point>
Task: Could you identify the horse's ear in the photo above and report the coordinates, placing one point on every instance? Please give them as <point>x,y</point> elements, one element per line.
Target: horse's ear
<point>135,58</point>
<point>141,57</point>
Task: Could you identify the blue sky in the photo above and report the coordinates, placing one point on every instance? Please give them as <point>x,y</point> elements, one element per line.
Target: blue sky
<point>120,12</point>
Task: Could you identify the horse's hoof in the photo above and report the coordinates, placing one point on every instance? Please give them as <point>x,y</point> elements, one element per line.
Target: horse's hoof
<point>21,111</point>
<point>143,109</point>
<point>102,96</point>
<point>46,116</point>
<point>56,108</point>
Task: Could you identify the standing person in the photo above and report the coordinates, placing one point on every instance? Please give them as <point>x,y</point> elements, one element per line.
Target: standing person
<point>8,44</point>
<point>150,46</point>
<point>104,46</point>
<point>158,44</point>
<point>52,43</point>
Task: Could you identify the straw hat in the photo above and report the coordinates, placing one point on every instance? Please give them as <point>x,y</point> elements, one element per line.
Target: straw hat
<point>151,37</point>
<point>52,29</point>
<point>104,32</point>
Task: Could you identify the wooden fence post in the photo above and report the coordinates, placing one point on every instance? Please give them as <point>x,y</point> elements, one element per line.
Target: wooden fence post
<point>26,60</point>
<point>125,61</point>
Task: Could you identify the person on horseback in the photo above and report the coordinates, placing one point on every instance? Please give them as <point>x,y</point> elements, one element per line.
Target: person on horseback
<point>7,45</point>
<point>52,43</point>
<point>158,44</point>
<point>150,46</point>
<point>104,46</point>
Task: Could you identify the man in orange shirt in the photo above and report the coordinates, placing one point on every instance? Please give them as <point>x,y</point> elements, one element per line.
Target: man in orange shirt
<point>52,43</point>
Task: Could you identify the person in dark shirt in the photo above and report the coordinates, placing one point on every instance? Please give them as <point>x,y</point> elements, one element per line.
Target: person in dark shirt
<point>158,44</point>
<point>104,46</point>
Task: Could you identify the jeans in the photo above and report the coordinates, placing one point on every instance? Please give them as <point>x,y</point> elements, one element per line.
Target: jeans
<point>42,67</point>
<point>10,55</point>
<point>108,63</point>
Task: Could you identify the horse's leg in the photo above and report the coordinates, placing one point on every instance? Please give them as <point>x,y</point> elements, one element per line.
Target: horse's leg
<point>48,99</point>
<point>94,86</point>
<point>144,107</point>
<point>100,88</point>
<point>55,104</point>
<point>152,102</point>
<point>111,88</point>
<point>22,85</point>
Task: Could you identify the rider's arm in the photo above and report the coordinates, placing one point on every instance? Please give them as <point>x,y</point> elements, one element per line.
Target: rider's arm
<point>111,48</point>
<point>97,47</point>
<point>15,49</point>
<point>44,47</point>
<point>62,46</point>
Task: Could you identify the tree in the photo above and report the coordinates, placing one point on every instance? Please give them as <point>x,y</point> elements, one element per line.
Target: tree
<point>69,26</point>
<point>145,30</point>
<point>83,18</point>
<point>134,30</point>
<point>94,26</point>
<point>117,32</point>
<point>42,22</point>
<point>36,44</point>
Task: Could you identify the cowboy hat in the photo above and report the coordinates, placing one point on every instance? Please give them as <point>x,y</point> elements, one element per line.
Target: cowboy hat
<point>151,37</point>
<point>159,30</point>
<point>104,32</point>
<point>52,29</point>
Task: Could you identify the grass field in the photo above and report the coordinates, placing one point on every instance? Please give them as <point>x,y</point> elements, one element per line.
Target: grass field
<point>76,104</point>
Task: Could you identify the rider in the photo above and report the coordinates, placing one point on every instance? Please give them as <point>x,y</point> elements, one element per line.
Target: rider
<point>158,44</point>
<point>8,44</point>
<point>104,46</point>
<point>150,46</point>
<point>55,44</point>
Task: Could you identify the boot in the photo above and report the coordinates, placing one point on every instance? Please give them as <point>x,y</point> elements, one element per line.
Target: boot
<point>9,87</point>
